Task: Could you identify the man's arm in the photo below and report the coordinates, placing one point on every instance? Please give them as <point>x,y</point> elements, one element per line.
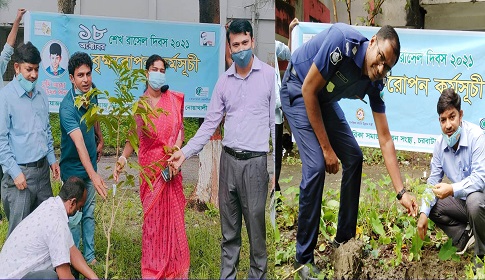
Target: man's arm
<point>8,47</point>
<point>12,36</point>
<point>77,138</point>
<point>51,156</point>
<point>475,181</point>
<point>78,262</point>
<point>7,158</point>
<point>312,85</point>
<point>390,160</point>
<point>64,271</point>
<point>293,23</point>
<point>212,120</point>
<point>429,199</point>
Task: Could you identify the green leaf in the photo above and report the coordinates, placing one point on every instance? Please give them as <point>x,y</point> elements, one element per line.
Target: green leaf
<point>322,247</point>
<point>447,251</point>
<point>417,243</point>
<point>333,204</point>
<point>377,226</point>
<point>276,235</point>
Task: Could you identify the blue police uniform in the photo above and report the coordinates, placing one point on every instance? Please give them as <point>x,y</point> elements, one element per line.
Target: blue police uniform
<point>338,52</point>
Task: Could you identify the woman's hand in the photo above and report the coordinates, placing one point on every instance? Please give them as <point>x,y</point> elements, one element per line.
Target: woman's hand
<point>120,165</point>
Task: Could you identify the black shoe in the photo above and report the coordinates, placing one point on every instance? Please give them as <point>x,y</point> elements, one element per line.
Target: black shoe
<point>466,241</point>
<point>307,271</point>
<point>335,244</point>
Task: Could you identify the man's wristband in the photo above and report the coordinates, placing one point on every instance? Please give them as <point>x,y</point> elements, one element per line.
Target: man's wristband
<point>400,194</point>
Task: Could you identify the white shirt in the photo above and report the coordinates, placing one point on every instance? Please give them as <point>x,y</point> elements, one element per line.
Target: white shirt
<point>41,241</point>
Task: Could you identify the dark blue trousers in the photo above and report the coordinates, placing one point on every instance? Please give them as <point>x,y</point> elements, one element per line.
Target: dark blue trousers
<point>313,168</point>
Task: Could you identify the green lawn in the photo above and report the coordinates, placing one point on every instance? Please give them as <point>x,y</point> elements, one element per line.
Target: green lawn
<point>203,233</point>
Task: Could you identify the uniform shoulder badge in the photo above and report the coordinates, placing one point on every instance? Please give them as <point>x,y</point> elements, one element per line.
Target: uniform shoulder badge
<point>336,56</point>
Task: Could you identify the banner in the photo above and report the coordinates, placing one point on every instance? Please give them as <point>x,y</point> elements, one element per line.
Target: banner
<point>194,53</point>
<point>430,61</point>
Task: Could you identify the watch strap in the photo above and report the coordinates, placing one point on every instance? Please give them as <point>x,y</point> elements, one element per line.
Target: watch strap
<point>400,194</point>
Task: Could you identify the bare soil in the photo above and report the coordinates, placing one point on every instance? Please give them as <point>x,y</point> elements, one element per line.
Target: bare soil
<point>352,261</point>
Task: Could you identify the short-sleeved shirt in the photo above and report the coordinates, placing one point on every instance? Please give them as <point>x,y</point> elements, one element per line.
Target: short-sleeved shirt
<point>70,117</point>
<point>338,52</point>
<point>41,241</point>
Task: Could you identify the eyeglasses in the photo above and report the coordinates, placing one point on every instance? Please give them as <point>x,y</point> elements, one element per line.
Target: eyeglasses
<point>382,60</point>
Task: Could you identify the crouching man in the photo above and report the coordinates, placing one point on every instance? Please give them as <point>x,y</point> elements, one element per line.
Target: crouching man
<point>457,208</point>
<point>41,246</point>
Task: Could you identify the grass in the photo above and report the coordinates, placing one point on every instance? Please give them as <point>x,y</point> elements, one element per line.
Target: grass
<point>203,233</point>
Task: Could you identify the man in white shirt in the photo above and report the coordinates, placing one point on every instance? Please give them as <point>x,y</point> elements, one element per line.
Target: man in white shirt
<point>41,246</point>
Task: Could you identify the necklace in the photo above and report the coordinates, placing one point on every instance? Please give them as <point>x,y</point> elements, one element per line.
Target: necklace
<point>153,100</point>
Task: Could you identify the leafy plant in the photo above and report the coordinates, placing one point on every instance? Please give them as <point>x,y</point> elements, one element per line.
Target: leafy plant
<point>291,160</point>
<point>120,124</point>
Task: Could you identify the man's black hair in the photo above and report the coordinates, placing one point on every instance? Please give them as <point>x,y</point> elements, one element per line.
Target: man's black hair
<point>55,48</point>
<point>73,188</point>
<point>388,32</point>
<point>449,99</point>
<point>79,59</point>
<point>26,53</point>
<point>239,26</point>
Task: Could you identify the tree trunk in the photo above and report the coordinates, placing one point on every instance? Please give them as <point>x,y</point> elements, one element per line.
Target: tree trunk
<point>209,11</point>
<point>207,188</point>
<point>66,6</point>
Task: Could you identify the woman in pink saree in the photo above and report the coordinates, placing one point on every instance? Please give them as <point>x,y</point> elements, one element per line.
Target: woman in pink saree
<point>165,250</point>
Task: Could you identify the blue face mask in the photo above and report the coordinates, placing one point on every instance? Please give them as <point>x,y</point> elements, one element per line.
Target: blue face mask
<point>79,92</point>
<point>242,58</point>
<point>27,85</point>
<point>156,80</point>
<point>453,139</point>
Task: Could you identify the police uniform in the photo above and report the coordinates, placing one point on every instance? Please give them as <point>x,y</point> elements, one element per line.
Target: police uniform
<point>338,52</point>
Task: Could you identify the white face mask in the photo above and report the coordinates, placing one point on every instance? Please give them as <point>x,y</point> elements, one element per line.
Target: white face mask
<point>156,79</point>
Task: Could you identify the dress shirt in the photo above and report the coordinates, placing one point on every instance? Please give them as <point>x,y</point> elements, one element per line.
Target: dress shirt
<point>338,53</point>
<point>282,52</point>
<point>465,167</point>
<point>4,59</point>
<point>249,107</point>
<point>25,131</point>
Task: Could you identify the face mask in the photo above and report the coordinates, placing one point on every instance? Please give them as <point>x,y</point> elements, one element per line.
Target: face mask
<point>453,139</point>
<point>79,92</point>
<point>156,80</point>
<point>243,57</point>
<point>27,85</point>
<point>75,219</point>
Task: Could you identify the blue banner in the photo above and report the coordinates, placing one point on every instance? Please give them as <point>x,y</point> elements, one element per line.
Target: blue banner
<point>194,53</point>
<point>430,61</point>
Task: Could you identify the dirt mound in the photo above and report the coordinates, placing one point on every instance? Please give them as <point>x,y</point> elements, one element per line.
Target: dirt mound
<point>347,260</point>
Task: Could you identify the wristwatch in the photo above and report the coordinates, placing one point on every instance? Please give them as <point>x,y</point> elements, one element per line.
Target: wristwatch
<point>400,194</point>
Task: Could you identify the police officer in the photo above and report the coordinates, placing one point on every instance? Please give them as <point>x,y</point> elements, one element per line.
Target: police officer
<point>337,63</point>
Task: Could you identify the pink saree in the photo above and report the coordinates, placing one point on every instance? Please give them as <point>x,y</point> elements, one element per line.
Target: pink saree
<point>165,250</point>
